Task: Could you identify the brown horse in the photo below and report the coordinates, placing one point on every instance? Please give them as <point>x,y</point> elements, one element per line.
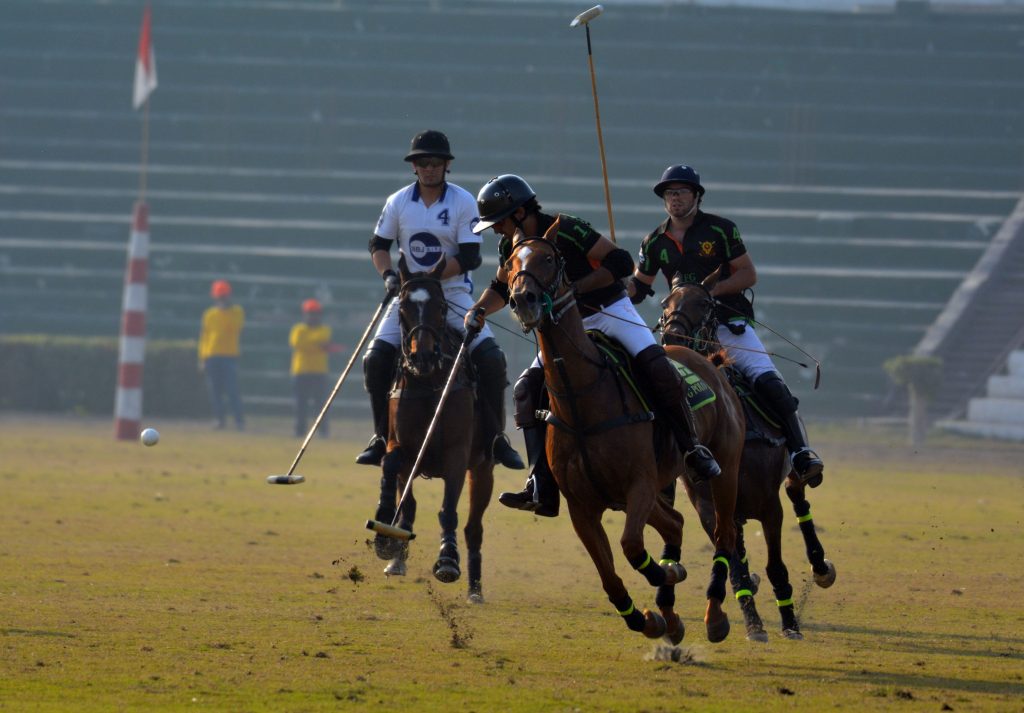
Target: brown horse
<point>689,320</point>
<point>605,452</point>
<point>429,349</point>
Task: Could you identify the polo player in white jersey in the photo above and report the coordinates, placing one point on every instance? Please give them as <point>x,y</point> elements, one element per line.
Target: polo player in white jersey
<point>432,218</point>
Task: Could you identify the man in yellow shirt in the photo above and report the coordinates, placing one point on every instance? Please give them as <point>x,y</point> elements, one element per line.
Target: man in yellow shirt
<point>219,337</point>
<point>311,343</point>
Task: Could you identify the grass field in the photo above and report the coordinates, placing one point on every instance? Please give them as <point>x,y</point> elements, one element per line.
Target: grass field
<point>174,578</point>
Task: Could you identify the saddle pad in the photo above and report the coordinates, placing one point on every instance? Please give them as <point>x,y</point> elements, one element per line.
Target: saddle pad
<point>698,393</point>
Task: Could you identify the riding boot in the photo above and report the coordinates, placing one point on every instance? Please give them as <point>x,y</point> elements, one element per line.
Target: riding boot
<point>541,492</point>
<point>492,379</point>
<point>667,390</point>
<point>771,389</point>
<point>378,376</point>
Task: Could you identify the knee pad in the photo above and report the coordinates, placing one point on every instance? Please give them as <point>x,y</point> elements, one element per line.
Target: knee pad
<point>774,390</point>
<point>527,396</point>
<point>379,365</point>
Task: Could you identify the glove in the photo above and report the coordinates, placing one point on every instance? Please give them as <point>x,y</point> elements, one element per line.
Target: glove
<point>390,281</point>
<point>475,321</point>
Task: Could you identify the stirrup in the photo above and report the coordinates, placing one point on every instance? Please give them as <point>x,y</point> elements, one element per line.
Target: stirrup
<point>808,467</point>
<point>702,463</point>
<point>523,500</point>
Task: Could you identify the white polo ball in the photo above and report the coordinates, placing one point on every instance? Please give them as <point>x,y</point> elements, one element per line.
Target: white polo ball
<point>150,437</point>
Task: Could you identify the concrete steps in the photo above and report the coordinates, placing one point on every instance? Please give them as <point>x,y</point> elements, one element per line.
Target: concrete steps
<point>999,414</point>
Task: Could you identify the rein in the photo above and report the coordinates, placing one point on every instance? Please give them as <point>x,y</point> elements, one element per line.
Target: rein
<point>410,333</point>
<point>702,337</point>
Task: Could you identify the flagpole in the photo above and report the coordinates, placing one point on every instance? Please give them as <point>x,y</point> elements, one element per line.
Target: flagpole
<point>144,152</point>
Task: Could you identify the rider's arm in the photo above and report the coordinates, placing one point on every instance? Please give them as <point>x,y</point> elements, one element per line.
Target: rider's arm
<point>742,275</point>
<point>380,253</point>
<point>491,299</point>
<point>615,264</point>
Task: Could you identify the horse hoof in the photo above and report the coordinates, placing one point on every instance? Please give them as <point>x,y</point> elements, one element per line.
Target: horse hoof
<point>718,630</point>
<point>675,632</point>
<point>387,547</point>
<point>755,583</point>
<point>827,578</point>
<point>793,634</point>
<point>654,624</point>
<point>674,573</point>
<point>475,597</point>
<point>447,570</point>
<point>757,634</point>
<point>395,568</point>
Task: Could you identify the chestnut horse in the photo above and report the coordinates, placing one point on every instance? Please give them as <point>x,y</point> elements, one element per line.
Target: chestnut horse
<point>429,349</point>
<point>605,452</point>
<point>689,319</point>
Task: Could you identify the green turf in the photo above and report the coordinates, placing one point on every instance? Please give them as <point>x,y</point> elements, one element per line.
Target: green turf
<point>173,577</point>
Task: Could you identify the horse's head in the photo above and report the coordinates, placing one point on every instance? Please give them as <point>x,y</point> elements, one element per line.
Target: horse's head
<point>422,312</point>
<point>688,315</point>
<point>537,281</point>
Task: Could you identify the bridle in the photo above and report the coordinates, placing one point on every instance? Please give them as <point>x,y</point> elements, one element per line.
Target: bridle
<point>677,328</point>
<point>553,305</point>
<point>414,362</point>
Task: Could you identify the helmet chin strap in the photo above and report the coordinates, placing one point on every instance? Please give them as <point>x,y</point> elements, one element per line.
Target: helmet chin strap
<point>696,205</point>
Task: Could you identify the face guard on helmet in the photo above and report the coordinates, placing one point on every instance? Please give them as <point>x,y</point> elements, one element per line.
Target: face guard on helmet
<point>499,198</point>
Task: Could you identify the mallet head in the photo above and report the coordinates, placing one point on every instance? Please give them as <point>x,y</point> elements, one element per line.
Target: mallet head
<point>584,17</point>
<point>285,479</point>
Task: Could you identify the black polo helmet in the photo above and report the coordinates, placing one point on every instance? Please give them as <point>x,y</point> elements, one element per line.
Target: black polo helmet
<point>429,143</point>
<point>499,198</point>
<point>679,174</point>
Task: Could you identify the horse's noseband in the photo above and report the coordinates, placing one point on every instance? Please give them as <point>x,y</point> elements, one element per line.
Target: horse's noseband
<point>698,336</point>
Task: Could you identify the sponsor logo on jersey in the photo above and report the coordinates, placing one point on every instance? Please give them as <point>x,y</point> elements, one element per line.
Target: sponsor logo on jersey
<point>425,249</point>
<point>707,248</point>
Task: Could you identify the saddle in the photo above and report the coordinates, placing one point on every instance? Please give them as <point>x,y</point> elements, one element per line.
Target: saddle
<point>698,393</point>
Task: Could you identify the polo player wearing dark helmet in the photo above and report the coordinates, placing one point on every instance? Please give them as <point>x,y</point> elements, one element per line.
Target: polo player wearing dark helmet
<point>596,267</point>
<point>432,219</point>
<point>693,244</point>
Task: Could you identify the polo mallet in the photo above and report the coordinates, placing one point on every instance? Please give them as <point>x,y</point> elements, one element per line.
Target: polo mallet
<point>290,479</point>
<point>391,530</point>
<point>584,19</point>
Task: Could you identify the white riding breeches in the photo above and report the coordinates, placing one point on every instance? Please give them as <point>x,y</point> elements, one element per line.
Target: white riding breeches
<point>746,351</point>
<point>622,322</point>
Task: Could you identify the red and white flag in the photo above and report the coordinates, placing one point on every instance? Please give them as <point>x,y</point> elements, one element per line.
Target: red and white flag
<point>145,64</point>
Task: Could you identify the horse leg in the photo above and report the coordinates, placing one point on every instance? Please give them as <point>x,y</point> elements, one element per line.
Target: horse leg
<point>481,487</point>
<point>669,524</point>
<point>587,524</point>
<point>824,570</point>
<point>778,574</point>
<point>388,547</point>
<point>640,502</point>
<point>744,587</point>
<point>723,491</point>
<point>446,568</point>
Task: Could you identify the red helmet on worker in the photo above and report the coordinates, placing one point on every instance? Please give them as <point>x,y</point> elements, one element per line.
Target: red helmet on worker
<point>312,305</point>
<point>220,289</point>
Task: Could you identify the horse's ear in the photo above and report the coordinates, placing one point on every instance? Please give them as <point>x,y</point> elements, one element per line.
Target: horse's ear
<point>712,279</point>
<point>403,268</point>
<point>677,281</point>
<point>437,270</point>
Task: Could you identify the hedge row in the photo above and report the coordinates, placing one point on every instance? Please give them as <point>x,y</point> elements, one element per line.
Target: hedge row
<point>79,375</point>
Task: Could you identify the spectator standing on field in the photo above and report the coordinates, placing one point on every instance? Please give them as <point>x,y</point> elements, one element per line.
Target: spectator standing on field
<point>219,348</point>
<point>310,341</point>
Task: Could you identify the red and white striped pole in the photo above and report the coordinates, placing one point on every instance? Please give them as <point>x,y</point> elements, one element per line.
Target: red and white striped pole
<point>132,346</point>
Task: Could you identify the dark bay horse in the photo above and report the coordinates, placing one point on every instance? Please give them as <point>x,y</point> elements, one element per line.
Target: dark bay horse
<point>429,348</point>
<point>602,451</point>
<point>689,319</point>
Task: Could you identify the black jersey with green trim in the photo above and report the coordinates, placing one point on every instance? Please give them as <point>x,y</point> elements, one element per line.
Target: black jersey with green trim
<point>709,243</point>
<point>573,238</point>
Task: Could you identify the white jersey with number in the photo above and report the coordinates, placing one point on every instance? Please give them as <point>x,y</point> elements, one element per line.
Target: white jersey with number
<point>425,233</point>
